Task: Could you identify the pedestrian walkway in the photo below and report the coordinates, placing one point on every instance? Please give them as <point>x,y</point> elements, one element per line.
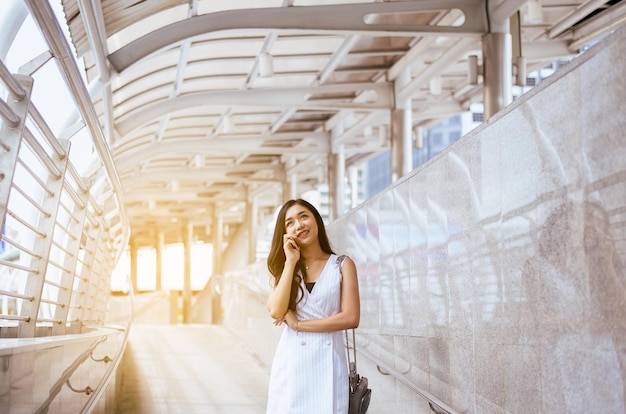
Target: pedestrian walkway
<point>202,369</point>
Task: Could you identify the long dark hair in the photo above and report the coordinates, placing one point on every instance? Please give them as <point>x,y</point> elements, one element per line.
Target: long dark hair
<point>276,258</point>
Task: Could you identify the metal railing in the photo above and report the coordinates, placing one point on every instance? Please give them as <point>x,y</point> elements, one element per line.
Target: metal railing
<point>64,228</point>
<point>63,232</point>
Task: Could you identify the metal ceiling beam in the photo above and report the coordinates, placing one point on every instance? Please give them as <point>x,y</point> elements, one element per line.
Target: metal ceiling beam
<point>167,175</point>
<point>381,95</point>
<point>343,19</point>
<point>452,55</point>
<point>502,12</point>
<point>204,174</point>
<point>574,17</point>
<point>373,118</point>
<point>129,158</point>
<point>187,149</point>
<point>598,26</point>
<point>438,110</point>
<point>229,146</point>
<point>96,34</point>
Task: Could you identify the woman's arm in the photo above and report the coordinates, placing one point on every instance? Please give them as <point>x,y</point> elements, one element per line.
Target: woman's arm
<point>350,313</point>
<point>278,300</point>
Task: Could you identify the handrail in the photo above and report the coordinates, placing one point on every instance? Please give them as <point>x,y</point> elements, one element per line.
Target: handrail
<point>106,378</point>
<point>401,378</point>
<point>54,391</point>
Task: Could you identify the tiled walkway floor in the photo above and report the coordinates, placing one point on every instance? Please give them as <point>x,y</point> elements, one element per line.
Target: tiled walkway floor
<point>191,369</point>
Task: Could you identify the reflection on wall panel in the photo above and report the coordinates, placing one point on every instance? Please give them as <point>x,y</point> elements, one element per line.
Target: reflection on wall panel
<point>495,275</point>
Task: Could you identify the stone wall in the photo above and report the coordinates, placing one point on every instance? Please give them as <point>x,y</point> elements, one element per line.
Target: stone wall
<point>493,276</point>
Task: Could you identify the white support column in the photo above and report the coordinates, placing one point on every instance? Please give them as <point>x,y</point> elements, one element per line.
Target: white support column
<point>353,174</point>
<point>160,245</point>
<point>332,191</point>
<point>293,186</point>
<point>133,264</point>
<point>251,220</point>
<point>336,187</point>
<point>401,131</point>
<point>286,188</point>
<point>292,179</point>
<point>218,237</point>
<point>497,66</point>
<point>188,242</point>
<point>341,181</point>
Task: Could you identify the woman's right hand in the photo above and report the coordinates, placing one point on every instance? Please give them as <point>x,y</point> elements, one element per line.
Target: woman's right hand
<point>291,248</point>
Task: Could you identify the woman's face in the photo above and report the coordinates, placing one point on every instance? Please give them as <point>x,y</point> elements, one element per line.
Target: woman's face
<point>300,223</point>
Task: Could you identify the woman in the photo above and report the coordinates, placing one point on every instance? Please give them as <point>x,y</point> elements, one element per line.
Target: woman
<point>316,295</point>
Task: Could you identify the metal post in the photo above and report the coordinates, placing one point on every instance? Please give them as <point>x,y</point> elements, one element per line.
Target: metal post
<point>401,139</point>
<point>339,181</point>
<point>293,186</point>
<point>188,240</point>
<point>353,174</point>
<point>401,130</point>
<point>159,260</point>
<point>217,243</point>
<point>133,264</point>
<point>332,190</point>
<point>498,72</point>
<point>336,174</point>
<point>251,220</point>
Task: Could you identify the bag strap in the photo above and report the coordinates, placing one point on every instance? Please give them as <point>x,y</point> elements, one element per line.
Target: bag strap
<point>353,347</point>
<point>351,364</point>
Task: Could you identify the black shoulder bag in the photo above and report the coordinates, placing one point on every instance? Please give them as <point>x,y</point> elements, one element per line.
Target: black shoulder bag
<point>359,393</point>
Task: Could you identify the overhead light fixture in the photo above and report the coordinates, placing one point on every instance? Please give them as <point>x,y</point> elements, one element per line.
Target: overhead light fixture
<point>435,86</point>
<point>198,161</point>
<point>534,11</point>
<point>266,65</point>
<point>227,124</point>
<point>473,69</point>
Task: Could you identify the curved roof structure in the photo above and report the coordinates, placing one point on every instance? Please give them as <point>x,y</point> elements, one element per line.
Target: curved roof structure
<point>207,105</point>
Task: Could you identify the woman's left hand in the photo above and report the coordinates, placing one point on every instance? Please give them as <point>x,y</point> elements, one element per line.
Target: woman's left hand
<point>290,319</point>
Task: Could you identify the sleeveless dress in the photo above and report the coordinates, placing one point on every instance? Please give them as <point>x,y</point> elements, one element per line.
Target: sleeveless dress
<point>309,372</point>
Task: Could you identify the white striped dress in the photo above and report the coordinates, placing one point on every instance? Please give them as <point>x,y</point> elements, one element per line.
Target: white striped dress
<point>310,371</point>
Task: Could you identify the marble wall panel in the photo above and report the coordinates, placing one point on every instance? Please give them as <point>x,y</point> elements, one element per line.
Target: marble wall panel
<point>501,285</point>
